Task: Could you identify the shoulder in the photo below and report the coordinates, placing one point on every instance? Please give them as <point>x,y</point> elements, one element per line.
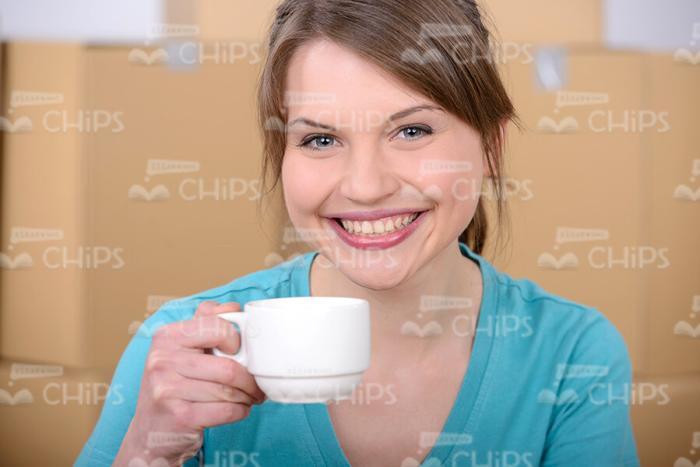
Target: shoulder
<point>575,331</point>
<point>284,279</point>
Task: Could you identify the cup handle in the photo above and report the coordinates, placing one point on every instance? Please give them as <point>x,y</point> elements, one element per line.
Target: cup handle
<point>240,319</point>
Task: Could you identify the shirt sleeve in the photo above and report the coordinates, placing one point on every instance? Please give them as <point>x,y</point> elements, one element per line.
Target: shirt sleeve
<point>120,404</point>
<point>591,419</point>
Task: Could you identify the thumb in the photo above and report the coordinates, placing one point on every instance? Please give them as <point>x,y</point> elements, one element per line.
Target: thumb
<point>210,308</point>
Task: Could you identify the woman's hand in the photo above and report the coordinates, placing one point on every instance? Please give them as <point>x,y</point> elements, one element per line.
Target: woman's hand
<point>184,389</point>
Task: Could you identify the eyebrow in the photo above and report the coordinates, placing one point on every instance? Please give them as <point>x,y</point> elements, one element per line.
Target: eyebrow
<point>396,116</point>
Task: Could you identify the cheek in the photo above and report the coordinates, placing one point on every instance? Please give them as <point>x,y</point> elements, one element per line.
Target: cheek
<point>453,181</point>
<point>460,193</point>
<point>302,187</point>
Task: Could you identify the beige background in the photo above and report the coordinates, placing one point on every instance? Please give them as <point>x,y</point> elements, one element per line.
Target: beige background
<point>79,317</point>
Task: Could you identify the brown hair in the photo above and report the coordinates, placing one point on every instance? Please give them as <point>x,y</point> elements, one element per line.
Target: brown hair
<point>439,48</point>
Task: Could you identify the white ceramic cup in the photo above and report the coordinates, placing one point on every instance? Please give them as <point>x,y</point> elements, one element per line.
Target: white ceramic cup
<point>304,349</point>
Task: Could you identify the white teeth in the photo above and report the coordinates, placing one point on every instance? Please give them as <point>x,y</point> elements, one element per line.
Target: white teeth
<point>377,227</point>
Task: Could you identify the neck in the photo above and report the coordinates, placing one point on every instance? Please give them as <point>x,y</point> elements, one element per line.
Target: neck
<point>438,292</point>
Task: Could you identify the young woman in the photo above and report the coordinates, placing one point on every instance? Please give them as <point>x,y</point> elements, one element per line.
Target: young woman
<point>381,119</point>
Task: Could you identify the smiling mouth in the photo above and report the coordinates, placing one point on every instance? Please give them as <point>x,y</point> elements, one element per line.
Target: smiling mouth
<point>377,227</point>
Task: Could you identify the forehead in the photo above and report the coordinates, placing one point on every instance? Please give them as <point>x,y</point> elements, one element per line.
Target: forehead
<point>323,74</point>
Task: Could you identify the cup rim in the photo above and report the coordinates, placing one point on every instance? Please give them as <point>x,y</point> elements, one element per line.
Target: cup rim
<point>321,303</point>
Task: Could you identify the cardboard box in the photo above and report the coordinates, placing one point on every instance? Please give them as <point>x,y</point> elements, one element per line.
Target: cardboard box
<point>147,181</point>
<point>574,185</point>
<point>48,411</point>
<point>550,22</point>
<point>673,174</point>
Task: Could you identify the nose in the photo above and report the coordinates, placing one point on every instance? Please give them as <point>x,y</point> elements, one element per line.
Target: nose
<point>368,179</point>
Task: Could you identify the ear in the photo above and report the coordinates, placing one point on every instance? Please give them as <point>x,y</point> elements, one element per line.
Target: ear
<point>503,129</point>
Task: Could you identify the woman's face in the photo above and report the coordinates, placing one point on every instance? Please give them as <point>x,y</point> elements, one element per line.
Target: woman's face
<point>377,177</point>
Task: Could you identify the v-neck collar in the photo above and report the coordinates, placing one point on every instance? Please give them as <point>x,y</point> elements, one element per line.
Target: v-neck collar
<point>466,410</point>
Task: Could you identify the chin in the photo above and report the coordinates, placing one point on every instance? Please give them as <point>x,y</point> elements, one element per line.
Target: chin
<point>373,269</point>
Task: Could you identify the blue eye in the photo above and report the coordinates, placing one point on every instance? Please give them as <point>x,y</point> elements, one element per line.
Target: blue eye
<point>322,141</point>
<point>415,132</point>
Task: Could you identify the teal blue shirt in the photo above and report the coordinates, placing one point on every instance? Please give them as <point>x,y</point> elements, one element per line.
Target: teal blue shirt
<point>548,383</point>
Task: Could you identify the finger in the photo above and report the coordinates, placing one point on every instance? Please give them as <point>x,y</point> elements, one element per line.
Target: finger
<point>210,307</point>
<point>208,414</point>
<point>219,370</point>
<point>200,333</point>
<point>194,390</point>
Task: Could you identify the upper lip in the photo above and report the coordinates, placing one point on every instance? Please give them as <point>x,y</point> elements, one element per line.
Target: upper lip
<point>373,215</point>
